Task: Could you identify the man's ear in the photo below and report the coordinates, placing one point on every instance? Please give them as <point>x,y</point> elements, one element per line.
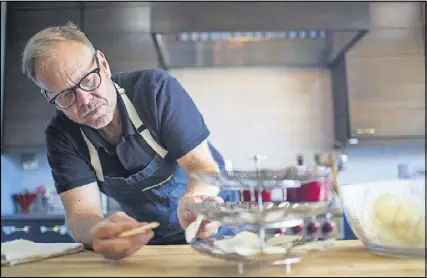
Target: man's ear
<point>103,63</point>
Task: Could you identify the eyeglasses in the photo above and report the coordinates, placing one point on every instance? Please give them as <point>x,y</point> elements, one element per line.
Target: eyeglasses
<point>90,82</point>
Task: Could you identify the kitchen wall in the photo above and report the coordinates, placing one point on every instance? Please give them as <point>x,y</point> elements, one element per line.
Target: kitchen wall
<point>14,179</point>
<point>10,181</point>
<point>380,163</point>
<point>275,112</point>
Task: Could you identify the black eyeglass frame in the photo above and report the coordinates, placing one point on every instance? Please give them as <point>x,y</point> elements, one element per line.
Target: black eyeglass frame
<point>96,70</point>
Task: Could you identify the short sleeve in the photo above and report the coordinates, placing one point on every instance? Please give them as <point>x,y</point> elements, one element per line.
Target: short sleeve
<point>69,169</point>
<point>182,127</point>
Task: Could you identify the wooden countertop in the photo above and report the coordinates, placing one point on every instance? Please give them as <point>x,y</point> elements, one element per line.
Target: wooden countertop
<point>346,258</point>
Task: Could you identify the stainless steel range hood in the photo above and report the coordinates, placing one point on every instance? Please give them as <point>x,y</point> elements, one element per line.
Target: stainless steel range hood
<point>226,34</point>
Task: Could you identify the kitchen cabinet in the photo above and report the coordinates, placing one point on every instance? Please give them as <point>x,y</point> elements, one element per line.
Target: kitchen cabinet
<point>37,230</point>
<point>124,38</point>
<point>379,86</point>
<point>3,45</point>
<point>340,101</point>
<point>369,109</point>
<point>44,5</point>
<point>423,20</point>
<point>26,112</point>
<point>138,54</point>
<point>386,96</point>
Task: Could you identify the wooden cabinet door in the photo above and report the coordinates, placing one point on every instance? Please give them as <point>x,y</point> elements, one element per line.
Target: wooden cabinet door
<point>26,112</point>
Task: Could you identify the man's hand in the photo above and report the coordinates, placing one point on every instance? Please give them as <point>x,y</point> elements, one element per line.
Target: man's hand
<point>106,242</point>
<point>187,213</point>
<point>198,161</point>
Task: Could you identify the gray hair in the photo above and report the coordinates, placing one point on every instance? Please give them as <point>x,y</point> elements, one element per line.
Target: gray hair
<point>39,44</point>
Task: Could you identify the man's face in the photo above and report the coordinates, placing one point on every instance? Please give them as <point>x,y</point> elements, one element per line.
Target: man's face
<point>64,67</point>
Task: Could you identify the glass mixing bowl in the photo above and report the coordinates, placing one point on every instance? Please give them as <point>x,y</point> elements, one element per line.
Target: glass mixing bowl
<point>388,216</point>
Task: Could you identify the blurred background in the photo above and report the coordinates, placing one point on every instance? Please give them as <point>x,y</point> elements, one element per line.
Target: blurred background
<point>278,79</point>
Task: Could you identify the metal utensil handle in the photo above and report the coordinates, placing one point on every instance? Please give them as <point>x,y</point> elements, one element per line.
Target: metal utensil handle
<point>12,229</point>
<point>257,159</point>
<point>62,230</point>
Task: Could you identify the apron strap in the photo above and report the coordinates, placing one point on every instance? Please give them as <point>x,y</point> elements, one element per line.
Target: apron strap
<point>145,133</point>
<point>94,158</point>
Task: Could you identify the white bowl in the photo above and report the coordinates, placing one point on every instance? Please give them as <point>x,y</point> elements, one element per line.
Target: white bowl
<point>388,216</point>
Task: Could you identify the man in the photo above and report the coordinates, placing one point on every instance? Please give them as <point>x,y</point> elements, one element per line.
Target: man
<point>134,136</point>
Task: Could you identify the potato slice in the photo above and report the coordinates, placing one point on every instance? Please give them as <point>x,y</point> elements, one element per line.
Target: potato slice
<point>193,228</point>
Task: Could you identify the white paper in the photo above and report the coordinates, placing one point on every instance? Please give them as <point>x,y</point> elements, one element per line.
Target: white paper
<point>21,251</point>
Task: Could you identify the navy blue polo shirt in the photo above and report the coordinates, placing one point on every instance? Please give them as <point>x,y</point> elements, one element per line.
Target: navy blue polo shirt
<point>163,106</point>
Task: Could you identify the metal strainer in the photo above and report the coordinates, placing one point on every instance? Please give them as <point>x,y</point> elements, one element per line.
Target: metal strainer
<point>263,179</point>
<point>272,214</point>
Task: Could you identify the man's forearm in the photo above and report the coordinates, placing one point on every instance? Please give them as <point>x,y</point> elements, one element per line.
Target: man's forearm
<point>80,227</point>
<point>197,187</point>
<point>199,161</point>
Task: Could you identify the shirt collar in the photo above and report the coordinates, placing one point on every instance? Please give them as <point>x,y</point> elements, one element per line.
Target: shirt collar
<point>127,127</point>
